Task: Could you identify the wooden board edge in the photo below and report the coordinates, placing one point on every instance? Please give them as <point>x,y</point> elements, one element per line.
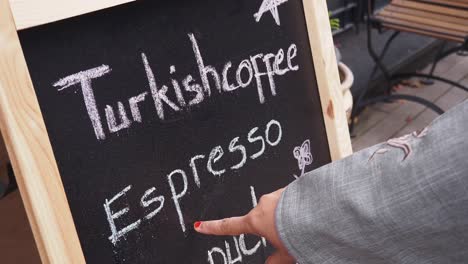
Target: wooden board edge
<point>31,153</point>
<point>31,13</point>
<point>328,80</point>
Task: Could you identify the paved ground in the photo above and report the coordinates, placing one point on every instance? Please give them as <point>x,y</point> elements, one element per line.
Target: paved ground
<point>378,123</point>
<point>384,121</point>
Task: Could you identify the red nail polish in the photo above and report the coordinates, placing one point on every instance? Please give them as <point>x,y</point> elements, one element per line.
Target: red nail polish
<point>197,224</point>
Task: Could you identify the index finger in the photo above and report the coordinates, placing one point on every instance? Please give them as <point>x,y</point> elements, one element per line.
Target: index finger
<point>233,226</point>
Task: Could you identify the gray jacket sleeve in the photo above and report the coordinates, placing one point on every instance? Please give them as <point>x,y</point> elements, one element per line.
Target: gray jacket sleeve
<point>403,201</point>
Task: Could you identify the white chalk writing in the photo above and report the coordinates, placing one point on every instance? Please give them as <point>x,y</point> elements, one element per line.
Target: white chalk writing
<point>188,92</point>
<point>240,246</point>
<point>179,185</point>
<point>111,216</point>
<point>271,6</point>
<point>84,78</point>
<point>303,156</point>
<point>177,196</point>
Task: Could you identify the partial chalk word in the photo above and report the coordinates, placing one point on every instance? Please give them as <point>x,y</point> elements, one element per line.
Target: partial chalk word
<point>239,243</point>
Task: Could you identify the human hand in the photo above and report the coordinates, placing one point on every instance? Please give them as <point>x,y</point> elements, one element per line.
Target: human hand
<point>259,221</point>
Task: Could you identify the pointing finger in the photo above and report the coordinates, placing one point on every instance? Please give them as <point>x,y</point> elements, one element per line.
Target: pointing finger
<point>226,227</point>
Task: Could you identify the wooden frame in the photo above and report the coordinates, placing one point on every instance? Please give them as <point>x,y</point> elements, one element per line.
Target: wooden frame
<point>26,137</point>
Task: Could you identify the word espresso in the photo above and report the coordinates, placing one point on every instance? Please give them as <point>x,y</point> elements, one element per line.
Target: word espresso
<point>271,136</point>
<point>187,92</point>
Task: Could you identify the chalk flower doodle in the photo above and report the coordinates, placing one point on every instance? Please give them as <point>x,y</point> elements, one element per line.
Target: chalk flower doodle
<point>272,6</point>
<point>304,157</point>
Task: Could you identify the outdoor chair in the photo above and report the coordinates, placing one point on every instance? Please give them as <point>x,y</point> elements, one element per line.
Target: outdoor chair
<point>446,20</point>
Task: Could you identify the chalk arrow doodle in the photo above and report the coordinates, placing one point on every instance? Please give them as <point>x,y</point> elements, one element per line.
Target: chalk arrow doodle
<point>272,6</point>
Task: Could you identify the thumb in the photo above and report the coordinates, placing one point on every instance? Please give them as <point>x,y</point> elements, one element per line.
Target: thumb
<point>226,227</point>
<point>280,257</point>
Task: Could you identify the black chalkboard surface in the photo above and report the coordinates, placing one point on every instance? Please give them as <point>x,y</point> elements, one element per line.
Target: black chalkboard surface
<point>161,113</point>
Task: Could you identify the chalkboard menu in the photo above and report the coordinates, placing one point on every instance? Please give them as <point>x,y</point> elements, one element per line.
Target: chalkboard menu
<point>161,113</point>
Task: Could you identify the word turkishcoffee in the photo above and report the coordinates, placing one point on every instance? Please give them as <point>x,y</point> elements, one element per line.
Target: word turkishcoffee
<point>228,80</point>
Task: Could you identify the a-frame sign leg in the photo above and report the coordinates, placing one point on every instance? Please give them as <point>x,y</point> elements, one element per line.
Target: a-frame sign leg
<point>31,154</point>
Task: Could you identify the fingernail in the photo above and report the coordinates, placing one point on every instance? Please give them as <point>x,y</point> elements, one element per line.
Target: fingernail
<point>197,224</point>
